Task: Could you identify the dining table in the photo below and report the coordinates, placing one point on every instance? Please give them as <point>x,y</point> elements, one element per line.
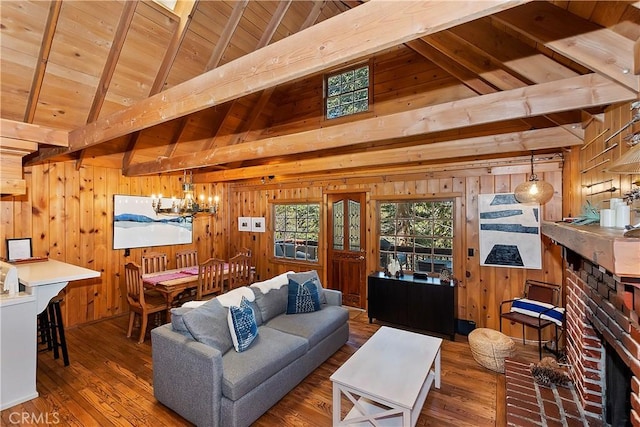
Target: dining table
<point>172,283</point>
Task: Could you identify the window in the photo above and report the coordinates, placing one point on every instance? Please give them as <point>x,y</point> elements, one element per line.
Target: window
<point>347,92</point>
<point>419,234</point>
<point>296,231</point>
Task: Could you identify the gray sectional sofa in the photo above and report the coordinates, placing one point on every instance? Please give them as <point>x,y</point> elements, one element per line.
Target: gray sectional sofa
<point>198,373</point>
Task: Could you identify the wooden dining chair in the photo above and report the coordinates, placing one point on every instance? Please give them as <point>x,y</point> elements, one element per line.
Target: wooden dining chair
<point>240,273</point>
<point>186,258</point>
<point>141,302</point>
<point>210,277</point>
<point>153,262</point>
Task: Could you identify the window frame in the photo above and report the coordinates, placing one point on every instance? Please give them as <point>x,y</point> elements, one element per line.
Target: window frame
<point>325,89</point>
<point>273,239</point>
<point>453,256</point>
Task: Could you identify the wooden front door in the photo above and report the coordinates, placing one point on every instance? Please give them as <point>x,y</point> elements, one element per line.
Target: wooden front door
<point>346,247</point>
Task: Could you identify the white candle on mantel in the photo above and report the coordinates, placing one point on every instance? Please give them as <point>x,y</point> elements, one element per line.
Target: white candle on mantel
<point>607,218</point>
<point>623,215</point>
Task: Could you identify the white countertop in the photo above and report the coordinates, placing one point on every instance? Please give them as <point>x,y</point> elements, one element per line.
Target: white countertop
<point>52,271</point>
<point>19,298</point>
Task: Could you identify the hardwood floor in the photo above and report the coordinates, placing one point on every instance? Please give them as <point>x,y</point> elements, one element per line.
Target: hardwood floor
<point>109,383</point>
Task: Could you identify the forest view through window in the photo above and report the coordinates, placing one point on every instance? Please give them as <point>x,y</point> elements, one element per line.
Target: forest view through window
<point>296,231</point>
<point>419,234</point>
<point>347,92</point>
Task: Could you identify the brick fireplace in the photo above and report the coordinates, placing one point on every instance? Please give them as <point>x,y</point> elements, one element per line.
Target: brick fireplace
<point>602,300</point>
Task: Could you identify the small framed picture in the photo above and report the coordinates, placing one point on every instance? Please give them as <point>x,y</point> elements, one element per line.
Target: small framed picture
<point>18,249</point>
<point>244,223</point>
<point>257,224</point>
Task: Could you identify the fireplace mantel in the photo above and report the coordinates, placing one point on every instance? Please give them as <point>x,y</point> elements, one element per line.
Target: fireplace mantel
<point>606,247</point>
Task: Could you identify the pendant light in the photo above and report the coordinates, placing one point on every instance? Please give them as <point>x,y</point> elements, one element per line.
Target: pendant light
<point>534,191</point>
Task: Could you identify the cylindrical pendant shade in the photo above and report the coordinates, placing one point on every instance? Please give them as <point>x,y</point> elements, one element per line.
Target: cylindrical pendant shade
<point>534,192</point>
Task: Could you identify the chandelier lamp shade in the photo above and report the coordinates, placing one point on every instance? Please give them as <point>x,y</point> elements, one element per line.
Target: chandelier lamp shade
<point>534,190</point>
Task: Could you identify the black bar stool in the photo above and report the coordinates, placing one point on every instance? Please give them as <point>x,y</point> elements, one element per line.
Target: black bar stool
<point>51,330</point>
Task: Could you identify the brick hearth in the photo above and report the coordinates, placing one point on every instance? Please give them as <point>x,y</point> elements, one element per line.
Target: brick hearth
<point>602,301</point>
<point>530,404</point>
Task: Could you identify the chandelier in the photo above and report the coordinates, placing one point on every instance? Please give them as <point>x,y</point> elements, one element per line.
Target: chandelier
<point>534,191</point>
<point>188,205</point>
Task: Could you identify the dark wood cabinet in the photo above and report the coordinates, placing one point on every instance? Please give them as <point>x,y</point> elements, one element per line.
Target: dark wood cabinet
<point>416,303</point>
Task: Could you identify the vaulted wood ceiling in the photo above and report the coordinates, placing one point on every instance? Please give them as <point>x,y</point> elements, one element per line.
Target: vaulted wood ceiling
<point>233,89</point>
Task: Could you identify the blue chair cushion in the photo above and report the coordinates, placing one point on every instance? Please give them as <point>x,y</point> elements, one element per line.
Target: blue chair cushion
<point>537,308</point>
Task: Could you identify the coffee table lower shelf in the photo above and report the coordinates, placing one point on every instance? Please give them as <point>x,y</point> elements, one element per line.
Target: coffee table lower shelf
<point>365,410</point>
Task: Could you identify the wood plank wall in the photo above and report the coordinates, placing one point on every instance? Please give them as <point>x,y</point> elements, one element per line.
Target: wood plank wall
<point>69,215</point>
<point>481,288</point>
<point>577,160</point>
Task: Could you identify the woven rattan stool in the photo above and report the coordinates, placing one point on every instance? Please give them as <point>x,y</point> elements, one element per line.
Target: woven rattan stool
<point>490,347</point>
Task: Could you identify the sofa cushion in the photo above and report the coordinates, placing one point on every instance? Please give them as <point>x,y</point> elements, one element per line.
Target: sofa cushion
<point>303,298</point>
<point>313,326</point>
<point>272,303</point>
<point>208,324</point>
<point>242,325</point>
<point>305,276</point>
<point>270,352</point>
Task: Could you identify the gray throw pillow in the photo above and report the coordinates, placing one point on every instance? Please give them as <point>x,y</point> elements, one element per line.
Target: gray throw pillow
<point>272,303</point>
<point>177,322</point>
<point>208,324</point>
<point>305,276</point>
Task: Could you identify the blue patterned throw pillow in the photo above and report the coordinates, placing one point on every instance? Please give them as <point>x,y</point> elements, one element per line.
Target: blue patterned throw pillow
<point>302,298</point>
<point>242,325</point>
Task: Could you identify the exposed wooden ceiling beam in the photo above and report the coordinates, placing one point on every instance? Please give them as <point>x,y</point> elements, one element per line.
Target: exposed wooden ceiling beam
<point>500,47</point>
<point>426,153</point>
<point>33,133</point>
<point>15,146</point>
<point>265,96</point>
<point>128,12</point>
<point>568,94</point>
<point>466,77</point>
<point>184,9</point>
<point>43,56</point>
<point>366,29</point>
<point>443,169</point>
<point>275,21</point>
<point>313,14</point>
<point>504,61</point>
<point>131,145</point>
<point>225,37</point>
<point>475,60</point>
<point>599,49</point>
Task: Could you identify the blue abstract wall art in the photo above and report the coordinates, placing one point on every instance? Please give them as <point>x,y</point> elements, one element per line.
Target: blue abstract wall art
<point>509,232</point>
<point>136,224</point>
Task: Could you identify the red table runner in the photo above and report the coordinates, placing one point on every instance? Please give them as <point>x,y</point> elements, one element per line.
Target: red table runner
<point>162,277</point>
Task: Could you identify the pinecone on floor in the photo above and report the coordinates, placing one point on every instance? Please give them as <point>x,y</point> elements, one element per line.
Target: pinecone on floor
<point>547,372</point>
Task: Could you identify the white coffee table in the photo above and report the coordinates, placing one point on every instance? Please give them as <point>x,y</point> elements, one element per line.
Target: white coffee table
<point>387,379</point>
